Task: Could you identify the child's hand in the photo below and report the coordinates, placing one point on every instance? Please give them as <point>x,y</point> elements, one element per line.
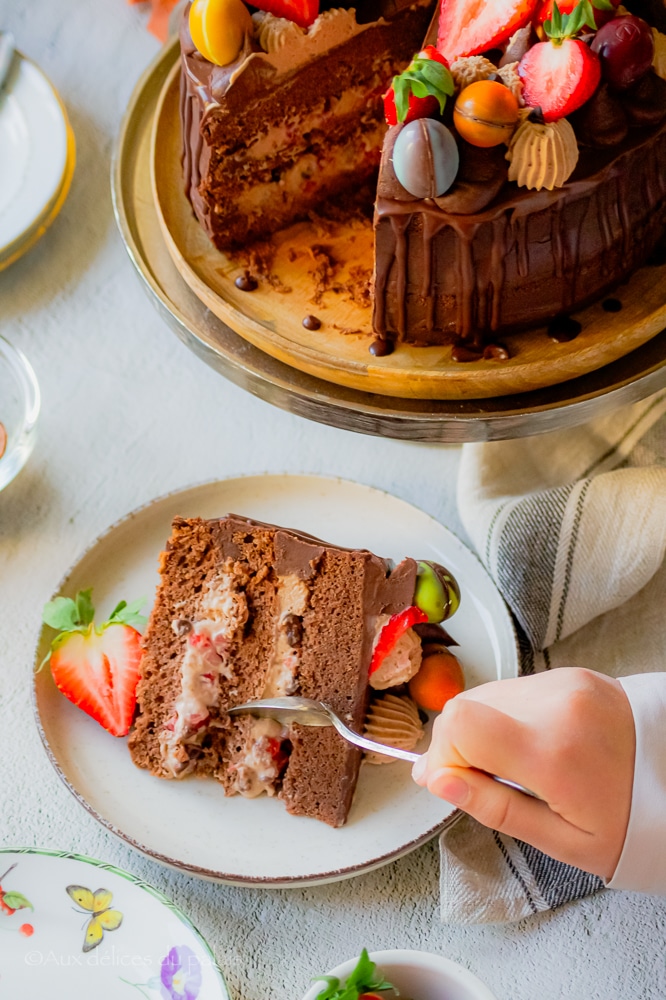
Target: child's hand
<point>568,736</point>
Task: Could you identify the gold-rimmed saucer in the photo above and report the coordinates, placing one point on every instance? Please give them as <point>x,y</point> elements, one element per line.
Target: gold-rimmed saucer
<point>40,155</point>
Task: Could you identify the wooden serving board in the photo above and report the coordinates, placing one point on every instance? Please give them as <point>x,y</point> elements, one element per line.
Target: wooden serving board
<point>271,316</point>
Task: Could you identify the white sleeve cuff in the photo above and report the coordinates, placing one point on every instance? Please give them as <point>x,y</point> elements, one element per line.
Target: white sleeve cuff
<point>642,864</point>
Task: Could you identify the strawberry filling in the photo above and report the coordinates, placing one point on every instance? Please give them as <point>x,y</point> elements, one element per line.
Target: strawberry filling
<point>395,627</point>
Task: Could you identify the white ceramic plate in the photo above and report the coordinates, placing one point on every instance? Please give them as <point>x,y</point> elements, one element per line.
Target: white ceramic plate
<point>146,942</point>
<point>190,824</point>
<point>35,147</point>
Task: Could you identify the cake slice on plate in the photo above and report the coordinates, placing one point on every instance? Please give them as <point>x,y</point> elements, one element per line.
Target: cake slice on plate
<point>247,610</point>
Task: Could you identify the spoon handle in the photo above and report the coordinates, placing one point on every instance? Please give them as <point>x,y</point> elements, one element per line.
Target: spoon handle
<point>365,744</point>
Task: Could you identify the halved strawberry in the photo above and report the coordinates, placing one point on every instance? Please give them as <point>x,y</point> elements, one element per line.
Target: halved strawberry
<point>559,77</point>
<point>421,91</point>
<point>301,12</point>
<point>468,27</point>
<point>96,666</point>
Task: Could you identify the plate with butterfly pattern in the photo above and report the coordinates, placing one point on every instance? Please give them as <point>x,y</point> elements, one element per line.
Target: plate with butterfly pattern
<point>78,928</point>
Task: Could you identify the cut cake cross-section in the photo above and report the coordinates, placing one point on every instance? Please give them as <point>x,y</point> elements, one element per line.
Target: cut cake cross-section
<point>247,610</point>
<point>296,119</point>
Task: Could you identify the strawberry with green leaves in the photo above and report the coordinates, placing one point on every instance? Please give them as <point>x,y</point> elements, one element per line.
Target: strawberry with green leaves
<point>363,983</point>
<point>96,666</point>
<point>561,74</point>
<point>421,91</point>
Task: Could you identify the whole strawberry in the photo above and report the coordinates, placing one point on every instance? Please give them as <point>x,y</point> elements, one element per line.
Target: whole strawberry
<point>421,91</point>
<point>561,74</point>
<point>96,666</point>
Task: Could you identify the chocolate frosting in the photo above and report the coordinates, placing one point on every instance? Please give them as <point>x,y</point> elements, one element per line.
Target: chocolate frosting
<point>387,590</point>
<point>526,256</point>
<point>602,121</point>
<point>482,175</point>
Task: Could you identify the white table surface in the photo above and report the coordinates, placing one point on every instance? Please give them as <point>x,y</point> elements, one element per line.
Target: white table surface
<point>128,414</point>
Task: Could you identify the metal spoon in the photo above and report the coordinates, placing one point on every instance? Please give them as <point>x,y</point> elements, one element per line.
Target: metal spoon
<point>307,712</point>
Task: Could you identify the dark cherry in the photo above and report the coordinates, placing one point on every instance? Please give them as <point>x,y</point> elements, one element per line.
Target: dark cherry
<point>312,323</point>
<point>626,48</point>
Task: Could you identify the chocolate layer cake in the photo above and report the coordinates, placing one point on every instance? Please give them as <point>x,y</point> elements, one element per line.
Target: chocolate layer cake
<point>247,610</point>
<point>273,133</point>
<point>294,120</point>
<point>489,257</point>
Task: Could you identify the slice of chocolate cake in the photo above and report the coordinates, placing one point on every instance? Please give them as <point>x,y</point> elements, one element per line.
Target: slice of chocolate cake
<point>295,119</point>
<point>248,610</point>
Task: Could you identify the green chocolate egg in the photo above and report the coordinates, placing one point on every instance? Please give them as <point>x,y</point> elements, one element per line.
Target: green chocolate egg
<point>437,593</point>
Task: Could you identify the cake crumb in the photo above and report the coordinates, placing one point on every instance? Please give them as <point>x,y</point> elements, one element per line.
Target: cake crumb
<point>358,289</point>
<point>349,331</point>
<point>259,259</point>
<point>324,271</point>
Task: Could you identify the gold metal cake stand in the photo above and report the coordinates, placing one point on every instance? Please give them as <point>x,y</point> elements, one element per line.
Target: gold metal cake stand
<point>631,378</point>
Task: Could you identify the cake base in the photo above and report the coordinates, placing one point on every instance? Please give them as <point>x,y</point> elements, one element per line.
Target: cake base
<point>338,351</point>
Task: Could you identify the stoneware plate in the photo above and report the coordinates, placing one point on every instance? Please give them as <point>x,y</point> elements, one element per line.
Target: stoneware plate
<point>190,824</point>
<point>338,351</point>
<point>77,928</point>
<point>37,161</point>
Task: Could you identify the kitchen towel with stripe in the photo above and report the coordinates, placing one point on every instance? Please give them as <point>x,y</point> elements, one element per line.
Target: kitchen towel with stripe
<point>571,526</point>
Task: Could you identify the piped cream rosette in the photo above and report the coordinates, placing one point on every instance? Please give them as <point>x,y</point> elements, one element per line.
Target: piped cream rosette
<point>542,155</point>
<point>393,720</point>
<point>471,69</point>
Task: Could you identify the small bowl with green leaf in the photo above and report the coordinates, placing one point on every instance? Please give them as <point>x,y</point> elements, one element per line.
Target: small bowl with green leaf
<point>408,975</point>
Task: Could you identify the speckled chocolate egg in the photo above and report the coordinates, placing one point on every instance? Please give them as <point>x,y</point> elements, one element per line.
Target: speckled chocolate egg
<point>425,158</point>
<point>486,113</point>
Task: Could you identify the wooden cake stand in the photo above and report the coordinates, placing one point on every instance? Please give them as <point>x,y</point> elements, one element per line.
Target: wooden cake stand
<point>451,421</point>
<point>270,317</point>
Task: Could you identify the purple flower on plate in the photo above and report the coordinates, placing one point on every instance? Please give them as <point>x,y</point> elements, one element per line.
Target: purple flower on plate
<point>180,974</point>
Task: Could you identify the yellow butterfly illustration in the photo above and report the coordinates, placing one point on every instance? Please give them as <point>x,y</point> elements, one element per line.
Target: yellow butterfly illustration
<point>102,918</point>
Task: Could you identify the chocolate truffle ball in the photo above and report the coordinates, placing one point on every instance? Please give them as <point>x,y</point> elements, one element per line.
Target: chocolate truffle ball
<point>425,158</point>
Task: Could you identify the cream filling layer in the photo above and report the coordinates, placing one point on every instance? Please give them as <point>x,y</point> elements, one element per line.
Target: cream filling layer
<point>290,134</point>
<point>401,663</point>
<point>220,617</point>
<point>260,767</point>
<point>309,173</point>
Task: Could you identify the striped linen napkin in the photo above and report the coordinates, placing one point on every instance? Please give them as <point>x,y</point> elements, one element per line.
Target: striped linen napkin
<point>572,527</point>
